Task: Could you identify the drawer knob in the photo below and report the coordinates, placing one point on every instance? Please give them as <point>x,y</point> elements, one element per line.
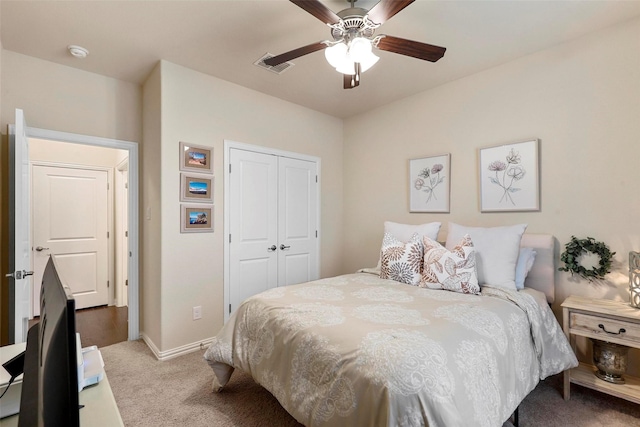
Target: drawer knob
<point>621,331</point>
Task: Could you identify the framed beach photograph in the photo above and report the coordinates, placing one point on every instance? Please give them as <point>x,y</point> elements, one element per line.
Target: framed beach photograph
<point>196,188</point>
<point>196,158</point>
<point>429,184</point>
<point>509,177</point>
<point>196,219</point>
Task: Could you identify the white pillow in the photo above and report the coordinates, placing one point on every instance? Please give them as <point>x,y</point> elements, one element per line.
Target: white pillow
<point>497,251</point>
<point>404,232</point>
<point>523,267</point>
<point>401,261</point>
<point>453,270</point>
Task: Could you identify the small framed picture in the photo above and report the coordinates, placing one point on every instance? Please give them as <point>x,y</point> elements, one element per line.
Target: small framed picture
<point>196,188</point>
<point>196,219</point>
<point>509,177</point>
<point>196,158</point>
<point>429,184</point>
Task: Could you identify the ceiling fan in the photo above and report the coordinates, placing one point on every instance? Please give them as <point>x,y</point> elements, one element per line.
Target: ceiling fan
<point>353,30</point>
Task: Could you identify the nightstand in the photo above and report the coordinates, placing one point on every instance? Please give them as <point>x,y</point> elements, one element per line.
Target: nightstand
<point>602,320</point>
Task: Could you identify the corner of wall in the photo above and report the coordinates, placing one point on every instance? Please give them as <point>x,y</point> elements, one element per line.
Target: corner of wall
<point>150,213</point>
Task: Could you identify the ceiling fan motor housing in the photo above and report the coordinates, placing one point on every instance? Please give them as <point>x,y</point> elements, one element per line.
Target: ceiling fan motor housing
<point>353,24</point>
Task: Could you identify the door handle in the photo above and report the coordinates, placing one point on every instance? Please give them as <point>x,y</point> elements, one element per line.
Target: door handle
<point>18,275</point>
<point>40,249</point>
<point>283,247</point>
<point>272,248</point>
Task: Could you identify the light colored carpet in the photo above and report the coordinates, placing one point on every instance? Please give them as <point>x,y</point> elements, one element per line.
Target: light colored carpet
<point>178,392</point>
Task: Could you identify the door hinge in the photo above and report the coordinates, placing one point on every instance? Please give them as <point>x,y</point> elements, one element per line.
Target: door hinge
<point>126,282</point>
<point>126,185</point>
<point>316,179</point>
<point>316,234</point>
<point>107,185</point>
<point>126,234</point>
<point>108,284</point>
<point>107,234</point>
<point>229,308</point>
<point>229,167</point>
<point>229,238</point>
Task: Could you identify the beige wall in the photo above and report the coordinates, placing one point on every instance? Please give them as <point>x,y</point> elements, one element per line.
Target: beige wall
<point>204,110</point>
<point>581,99</point>
<point>66,99</point>
<point>150,213</point>
<point>60,98</point>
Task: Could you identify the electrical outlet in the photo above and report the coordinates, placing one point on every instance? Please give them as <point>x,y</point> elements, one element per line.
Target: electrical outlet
<point>197,312</point>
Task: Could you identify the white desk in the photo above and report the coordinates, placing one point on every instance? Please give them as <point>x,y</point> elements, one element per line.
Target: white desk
<point>100,409</point>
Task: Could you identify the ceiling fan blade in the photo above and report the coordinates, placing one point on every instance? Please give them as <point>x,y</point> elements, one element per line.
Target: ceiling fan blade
<point>428,52</point>
<point>385,9</point>
<point>295,53</point>
<point>318,10</point>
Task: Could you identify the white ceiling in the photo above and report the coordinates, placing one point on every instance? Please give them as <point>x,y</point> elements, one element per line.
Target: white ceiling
<point>224,38</point>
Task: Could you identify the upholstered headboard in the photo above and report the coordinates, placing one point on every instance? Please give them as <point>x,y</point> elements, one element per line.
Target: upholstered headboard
<point>542,274</point>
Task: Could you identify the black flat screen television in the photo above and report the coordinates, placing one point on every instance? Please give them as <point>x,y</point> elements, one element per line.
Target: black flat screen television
<point>50,382</point>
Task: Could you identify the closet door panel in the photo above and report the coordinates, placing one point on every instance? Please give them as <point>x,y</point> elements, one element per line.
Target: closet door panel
<point>297,221</point>
<point>253,224</point>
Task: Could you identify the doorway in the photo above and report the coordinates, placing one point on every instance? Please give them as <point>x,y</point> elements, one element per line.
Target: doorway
<point>19,136</point>
<point>78,215</point>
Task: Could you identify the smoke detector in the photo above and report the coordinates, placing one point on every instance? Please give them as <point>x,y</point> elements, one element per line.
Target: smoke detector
<point>77,51</point>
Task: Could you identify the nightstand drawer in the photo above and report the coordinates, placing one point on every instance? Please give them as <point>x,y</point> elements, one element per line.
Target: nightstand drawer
<point>603,328</point>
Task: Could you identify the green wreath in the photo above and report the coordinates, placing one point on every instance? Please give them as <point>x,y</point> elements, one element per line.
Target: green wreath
<point>578,247</point>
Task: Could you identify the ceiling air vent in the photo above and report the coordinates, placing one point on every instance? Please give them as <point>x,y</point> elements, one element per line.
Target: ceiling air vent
<point>278,69</point>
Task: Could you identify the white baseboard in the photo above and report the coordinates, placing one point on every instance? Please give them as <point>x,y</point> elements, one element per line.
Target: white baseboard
<point>175,352</point>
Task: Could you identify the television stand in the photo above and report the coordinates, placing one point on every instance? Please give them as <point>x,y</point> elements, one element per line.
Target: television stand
<point>99,409</point>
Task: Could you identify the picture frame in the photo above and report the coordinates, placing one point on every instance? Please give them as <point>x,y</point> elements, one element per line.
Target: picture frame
<point>196,219</point>
<point>196,188</point>
<point>196,158</point>
<point>430,184</point>
<point>510,177</point>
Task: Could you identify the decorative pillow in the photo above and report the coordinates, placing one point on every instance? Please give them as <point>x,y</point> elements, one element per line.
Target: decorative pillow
<point>400,261</point>
<point>404,232</point>
<point>523,267</point>
<point>453,270</point>
<point>497,250</point>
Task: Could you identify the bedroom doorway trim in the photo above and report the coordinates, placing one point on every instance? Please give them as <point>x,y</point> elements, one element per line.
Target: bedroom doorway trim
<point>133,220</point>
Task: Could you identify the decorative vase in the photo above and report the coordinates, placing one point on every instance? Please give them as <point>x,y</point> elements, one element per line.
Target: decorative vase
<point>610,360</point>
<point>634,279</point>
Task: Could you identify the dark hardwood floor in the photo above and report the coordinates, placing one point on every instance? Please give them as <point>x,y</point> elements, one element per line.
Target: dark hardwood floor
<point>100,326</point>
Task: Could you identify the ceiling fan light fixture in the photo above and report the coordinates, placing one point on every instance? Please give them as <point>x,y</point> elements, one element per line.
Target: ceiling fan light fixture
<point>368,62</point>
<point>347,67</point>
<point>359,49</point>
<point>336,54</point>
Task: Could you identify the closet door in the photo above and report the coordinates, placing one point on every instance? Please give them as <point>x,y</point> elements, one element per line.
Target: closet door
<point>272,223</point>
<point>253,224</point>
<point>297,221</point>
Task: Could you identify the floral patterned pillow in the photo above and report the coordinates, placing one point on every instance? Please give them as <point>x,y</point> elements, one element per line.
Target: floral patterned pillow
<point>453,270</point>
<point>400,261</point>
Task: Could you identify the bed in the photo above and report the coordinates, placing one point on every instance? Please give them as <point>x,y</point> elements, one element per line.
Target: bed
<point>361,350</point>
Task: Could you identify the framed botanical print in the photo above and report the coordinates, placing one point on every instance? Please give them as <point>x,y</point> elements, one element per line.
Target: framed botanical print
<point>429,184</point>
<point>509,177</point>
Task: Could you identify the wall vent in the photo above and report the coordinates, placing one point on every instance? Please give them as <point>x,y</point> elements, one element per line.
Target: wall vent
<point>278,69</point>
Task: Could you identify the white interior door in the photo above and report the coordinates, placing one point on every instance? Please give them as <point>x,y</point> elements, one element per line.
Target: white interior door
<point>70,223</point>
<point>19,294</point>
<point>297,221</point>
<point>122,233</point>
<point>253,210</point>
